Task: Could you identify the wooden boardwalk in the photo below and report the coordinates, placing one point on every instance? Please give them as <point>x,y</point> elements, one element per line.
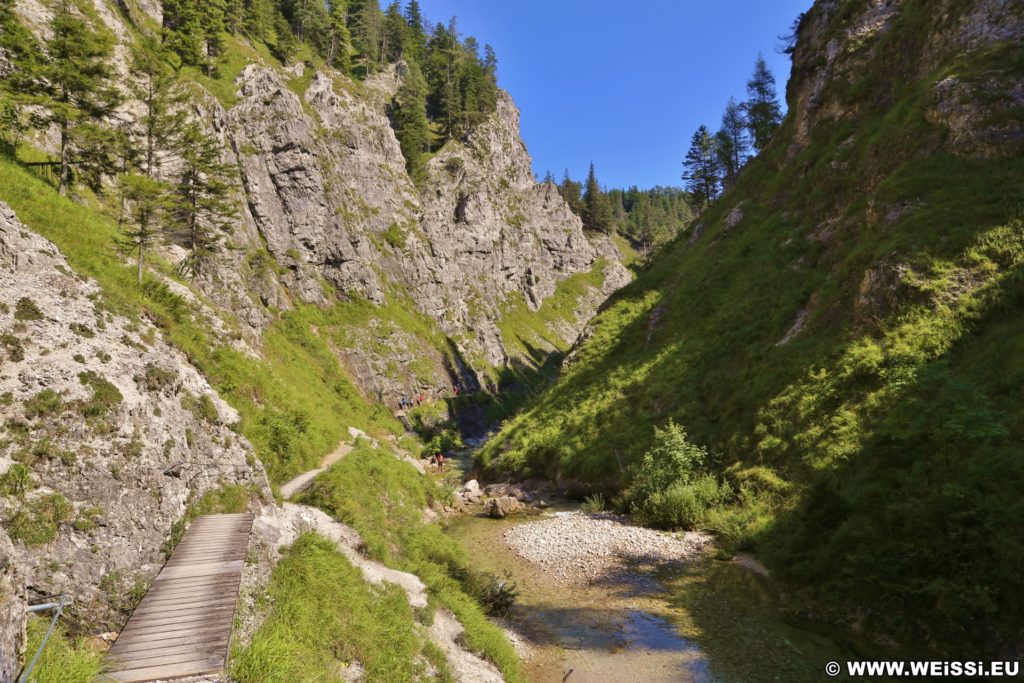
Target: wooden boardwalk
<point>183,625</point>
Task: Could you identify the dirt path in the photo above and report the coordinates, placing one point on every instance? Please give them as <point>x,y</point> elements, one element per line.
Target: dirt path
<point>290,488</point>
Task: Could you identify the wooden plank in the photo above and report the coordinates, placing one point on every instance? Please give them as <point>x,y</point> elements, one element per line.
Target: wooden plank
<point>229,567</point>
<point>210,665</point>
<point>156,658</point>
<point>182,627</point>
<point>170,645</point>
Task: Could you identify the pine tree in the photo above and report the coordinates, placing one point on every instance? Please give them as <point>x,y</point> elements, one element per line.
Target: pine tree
<point>159,127</point>
<point>339,45</point>
<point>21,51</point>
<point>417,32</point>
<point>733,145</point>
<point>258,18</point>
<point>396,33</point>
<point>571,192</point>
<point>364,24</point>
<point>183,31</point>
<point>701,173</point>
<point>147,200</point>
<point>202,210</point>
<point>762,108</point>
<point>491,62</point>
<point>597,213</point>
<point>75,93</point>
<point>285,43</point>
<point>409,119</point>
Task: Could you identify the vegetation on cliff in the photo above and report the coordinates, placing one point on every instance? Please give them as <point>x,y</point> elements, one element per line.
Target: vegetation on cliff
<point>837,331</point>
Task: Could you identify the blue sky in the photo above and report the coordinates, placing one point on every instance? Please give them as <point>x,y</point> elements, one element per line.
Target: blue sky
<point>624,83</point>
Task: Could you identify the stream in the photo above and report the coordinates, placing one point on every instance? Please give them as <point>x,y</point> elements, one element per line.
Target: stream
<point>710,620</point>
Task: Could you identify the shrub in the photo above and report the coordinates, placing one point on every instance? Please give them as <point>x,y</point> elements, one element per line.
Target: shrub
<point>394,236</point>
<point>669,489</point>
<point>46,402</point>
<point>87,519</point>
<point>38,522</point>
<point>155,378</point>
<point>683,504</point>
<point>593,504</point>
<point>105,396</point>
<point>15,350</point>
<point>672,459</point>
<point>202,407</point>
<point>82,330</point>
<point>16,481</point>
<point>26,309</point>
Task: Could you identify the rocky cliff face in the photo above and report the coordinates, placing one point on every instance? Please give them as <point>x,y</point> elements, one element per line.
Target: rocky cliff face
<point>327,193</point>
<point>107,434</point>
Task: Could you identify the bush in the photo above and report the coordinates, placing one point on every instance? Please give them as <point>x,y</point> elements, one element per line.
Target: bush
<point>669,489</point>
<point>26,309</point>
<point>46,402</point>
<point>682,505</point>
<point>37,522</point>
<point>16,480</point>
<point>593,504</point>
<point>15,349</point>
<point>672,459</point>
<point>105,397</point>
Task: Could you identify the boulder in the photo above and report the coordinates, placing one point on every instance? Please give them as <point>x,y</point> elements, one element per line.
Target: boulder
<point>502,506</point>
<point>471,491</point>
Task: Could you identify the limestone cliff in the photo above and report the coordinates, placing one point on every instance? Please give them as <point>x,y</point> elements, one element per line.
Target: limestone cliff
<point>109,433</point>
<point>327,193</point>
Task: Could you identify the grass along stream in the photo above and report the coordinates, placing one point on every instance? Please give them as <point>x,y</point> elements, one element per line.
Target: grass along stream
<point>639,620</point>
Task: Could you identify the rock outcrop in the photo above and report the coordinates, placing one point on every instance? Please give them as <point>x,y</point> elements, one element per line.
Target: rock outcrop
<point>107,434</point>
<point>329,198</point>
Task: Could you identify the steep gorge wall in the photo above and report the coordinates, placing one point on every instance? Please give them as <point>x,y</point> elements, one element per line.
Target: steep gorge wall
<point>108,434</point>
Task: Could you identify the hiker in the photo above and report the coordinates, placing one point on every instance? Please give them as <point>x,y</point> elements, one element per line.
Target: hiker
<point>440,462</point>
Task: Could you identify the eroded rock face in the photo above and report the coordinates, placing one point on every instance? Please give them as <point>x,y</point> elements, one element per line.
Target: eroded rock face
<point>107,433</point>
<point>327,190</point>
<point>974,105</point>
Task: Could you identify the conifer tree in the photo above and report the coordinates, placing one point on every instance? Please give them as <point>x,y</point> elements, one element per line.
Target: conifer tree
<point>285,43</point>
<point>258,18</point>
<point>183,30</point>
<point>732,143</point>
<point>597,213</point>
<point>339,43</point>
<point>396,33</point>
<point>701,173</point>
<point>571,192</point>
<point>202,210</point>
<point>417,32</point>
<point>762,107</point>
<point>364,24</point>
<point>409,119</point>
<point>75,93</point>
<point>162,121</point>
<point>147,201</point>
<point>21,52</point>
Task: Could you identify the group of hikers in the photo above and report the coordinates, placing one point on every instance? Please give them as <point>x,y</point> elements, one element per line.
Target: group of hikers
<point>437,461</point>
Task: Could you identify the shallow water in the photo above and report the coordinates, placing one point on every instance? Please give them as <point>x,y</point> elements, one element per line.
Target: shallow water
<point>717,621</point>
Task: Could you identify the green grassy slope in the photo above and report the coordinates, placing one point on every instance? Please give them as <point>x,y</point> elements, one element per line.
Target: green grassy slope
<point>873,454</point>
<point>295,401</point>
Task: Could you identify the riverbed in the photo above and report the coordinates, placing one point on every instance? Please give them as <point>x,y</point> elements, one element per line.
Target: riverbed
<point>703,620</point>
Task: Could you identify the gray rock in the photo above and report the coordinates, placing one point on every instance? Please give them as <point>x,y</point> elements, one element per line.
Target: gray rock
<point>502,506</point>
<point>123,477</point>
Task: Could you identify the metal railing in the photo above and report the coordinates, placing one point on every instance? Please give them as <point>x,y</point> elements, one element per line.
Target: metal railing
<point>62,602</point>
